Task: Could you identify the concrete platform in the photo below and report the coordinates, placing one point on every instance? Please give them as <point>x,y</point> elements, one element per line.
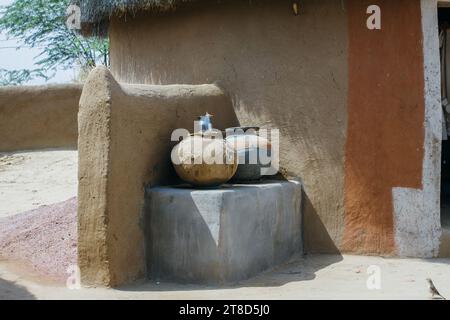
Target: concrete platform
<point>222,235</point>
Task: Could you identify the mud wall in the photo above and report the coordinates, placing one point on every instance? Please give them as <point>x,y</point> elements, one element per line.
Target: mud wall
<point>280,70</point>
<point>36,117</point>
<point>385,138</point>
<point>358,109</point>
<point>124,145</point>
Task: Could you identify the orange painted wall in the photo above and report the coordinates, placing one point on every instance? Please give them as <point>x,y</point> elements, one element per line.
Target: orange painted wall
<point>385,138</point>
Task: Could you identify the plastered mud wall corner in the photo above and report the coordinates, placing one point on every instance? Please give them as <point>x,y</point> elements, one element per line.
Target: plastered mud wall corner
<point>124,145</point>
<point>94,120</point>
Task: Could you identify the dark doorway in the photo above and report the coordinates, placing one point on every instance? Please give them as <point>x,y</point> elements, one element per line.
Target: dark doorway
<point>445,185</point>
<point>444,39</point>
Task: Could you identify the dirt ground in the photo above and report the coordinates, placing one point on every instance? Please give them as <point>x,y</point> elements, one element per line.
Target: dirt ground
<point>44,240</point>
<point>38,211</point>
<point>31,179</point>
<point>314,277</point>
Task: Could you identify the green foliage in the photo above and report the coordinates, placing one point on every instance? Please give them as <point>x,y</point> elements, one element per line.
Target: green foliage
<point>18,77</point>
<point>42,24</point>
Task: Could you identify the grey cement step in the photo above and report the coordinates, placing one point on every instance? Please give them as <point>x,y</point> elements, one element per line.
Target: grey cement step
<point>221,235</point>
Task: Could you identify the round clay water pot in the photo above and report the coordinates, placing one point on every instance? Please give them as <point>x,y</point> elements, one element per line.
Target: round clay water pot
<point>203,161</point>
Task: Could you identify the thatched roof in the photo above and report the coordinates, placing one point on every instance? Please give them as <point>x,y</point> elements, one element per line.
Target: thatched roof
<point>95,14</point>
<point>95,10</point>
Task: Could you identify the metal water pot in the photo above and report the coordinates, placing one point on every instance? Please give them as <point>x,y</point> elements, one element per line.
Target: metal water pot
<point>248,146</point>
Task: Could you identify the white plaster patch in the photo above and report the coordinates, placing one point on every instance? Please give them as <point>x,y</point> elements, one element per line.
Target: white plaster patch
<point>416,234</point>
<point>417,223</point>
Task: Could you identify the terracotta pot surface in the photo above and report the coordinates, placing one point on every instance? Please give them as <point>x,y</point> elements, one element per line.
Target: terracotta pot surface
<point>196,163</point>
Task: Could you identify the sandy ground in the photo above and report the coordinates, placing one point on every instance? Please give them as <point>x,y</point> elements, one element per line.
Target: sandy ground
<point>32,179</point>
<point>43,240</point>
<point>315,277</point>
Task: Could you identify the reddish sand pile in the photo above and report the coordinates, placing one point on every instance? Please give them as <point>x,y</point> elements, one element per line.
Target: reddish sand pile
<point>44,239</point>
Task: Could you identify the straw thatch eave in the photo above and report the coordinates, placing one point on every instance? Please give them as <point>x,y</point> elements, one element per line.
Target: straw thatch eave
<point>97,10</point>
<point>95,14</point>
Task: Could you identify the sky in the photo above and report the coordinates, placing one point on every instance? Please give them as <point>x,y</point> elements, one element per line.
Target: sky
<point>11,58</point>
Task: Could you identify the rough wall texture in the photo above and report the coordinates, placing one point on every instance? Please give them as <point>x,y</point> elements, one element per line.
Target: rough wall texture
<point>124,144</point>
<point>281,71</point>
<point>417,222</point>
<point>35,117</point>
<point>352,104</point>
<point>385,136</point>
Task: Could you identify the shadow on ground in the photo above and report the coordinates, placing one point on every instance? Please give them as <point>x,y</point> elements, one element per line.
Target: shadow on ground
<point>12,291</point>
<point>299,269</point>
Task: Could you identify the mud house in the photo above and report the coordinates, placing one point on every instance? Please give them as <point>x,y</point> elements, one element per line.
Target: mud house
<point>358,106</point>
